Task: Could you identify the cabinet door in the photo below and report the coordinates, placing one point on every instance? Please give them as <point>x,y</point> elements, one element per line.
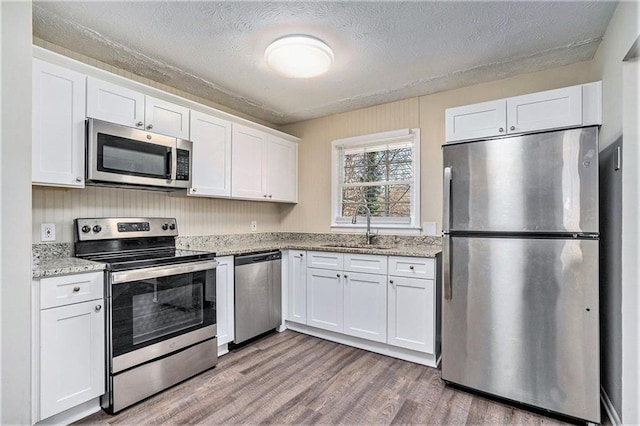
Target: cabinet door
<point>365,306</point>
<point>476,121</point>
<point>166,118</point>
<point>282,169</point>
<point>411,313</point>
<point>297,287</point>
<point>545,110</point>
<point>72,356</point>
<point>225,299</point>
<point>325,299</point>
<point>110,102</point>
<point>58,125</point>
<point>211,139</point>
<point>248,163</point>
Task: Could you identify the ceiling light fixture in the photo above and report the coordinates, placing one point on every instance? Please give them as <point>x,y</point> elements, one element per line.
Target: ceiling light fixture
<point>299,56</point>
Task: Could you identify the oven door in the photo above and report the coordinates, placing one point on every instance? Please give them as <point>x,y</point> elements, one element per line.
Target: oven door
<point>156,311</point>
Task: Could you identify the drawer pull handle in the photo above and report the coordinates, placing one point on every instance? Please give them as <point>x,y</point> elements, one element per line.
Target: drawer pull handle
<point>76,289</point>
<point>411,267</point>
<point>98,307</point>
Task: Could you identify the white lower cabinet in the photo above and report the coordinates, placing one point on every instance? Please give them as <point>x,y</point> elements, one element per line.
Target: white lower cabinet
<point>411,313</point>
<point>224,302</point>
<point>69,345</point>
<point>365,306</point>
<point>324,299</point>
<point>392,309</point>
<point>297,286</point>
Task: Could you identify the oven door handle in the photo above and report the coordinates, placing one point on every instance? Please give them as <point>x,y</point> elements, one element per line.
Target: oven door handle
<point>161,271</point>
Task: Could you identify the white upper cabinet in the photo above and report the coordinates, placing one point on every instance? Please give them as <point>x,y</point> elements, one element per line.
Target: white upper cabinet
<point>57,125</point>
<point>264,167</point>
<point>573,106</point>
<point>166,118</point>
<point>211,139</point>
<point>545,110</point>
<point>115,104</point>
<point>282,169</point>
<point>476,121</point>
<point>248,163</point>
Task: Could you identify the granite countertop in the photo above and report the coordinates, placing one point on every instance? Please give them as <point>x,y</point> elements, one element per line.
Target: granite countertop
<point>54,259</point>
<point>64,266</point>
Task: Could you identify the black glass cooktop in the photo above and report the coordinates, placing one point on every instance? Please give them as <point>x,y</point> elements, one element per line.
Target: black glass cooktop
<point>119,261</point>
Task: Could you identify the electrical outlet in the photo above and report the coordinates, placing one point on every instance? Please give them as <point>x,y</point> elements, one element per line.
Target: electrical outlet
<point>48,232</point>
<point>254,226</point>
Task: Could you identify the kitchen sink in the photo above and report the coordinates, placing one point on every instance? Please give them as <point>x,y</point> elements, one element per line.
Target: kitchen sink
<point>358,246</point>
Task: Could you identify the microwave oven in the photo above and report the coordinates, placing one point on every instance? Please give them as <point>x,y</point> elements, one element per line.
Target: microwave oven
<point>122,156</point>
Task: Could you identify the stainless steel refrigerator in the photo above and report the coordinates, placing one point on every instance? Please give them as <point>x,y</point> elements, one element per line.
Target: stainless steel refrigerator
<point>520,269</point>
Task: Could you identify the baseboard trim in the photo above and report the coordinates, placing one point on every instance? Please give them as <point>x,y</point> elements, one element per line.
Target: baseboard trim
<point>609,408</point>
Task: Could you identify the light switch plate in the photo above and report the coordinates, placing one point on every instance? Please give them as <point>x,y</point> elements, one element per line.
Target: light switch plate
<point>48,232</point>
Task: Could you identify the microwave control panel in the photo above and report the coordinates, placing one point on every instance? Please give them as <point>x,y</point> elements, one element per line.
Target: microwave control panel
<point>183,166</point>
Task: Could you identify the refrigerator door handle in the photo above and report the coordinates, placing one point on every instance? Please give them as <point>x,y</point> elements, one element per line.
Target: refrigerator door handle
<point>446,266</point>
<point>446,202</point>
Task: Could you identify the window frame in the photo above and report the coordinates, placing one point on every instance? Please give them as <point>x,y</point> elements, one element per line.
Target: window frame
<point>340,223</point>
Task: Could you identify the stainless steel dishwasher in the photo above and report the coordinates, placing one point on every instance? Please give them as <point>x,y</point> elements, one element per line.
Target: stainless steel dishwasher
<point>258,294</point>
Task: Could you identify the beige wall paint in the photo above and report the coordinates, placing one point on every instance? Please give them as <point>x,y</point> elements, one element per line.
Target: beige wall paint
<point>313,213</point>
<point>195,215</point>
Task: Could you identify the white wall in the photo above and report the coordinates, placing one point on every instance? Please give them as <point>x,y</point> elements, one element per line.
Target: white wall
<point>619,98</point>
<point>15,212</point>
<point>630,244</point>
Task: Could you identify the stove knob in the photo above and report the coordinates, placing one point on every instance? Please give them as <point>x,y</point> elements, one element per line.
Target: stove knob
<point>165,227</point>
<point>97,228</point>
<point>172,226</point>
<point>86,229</point>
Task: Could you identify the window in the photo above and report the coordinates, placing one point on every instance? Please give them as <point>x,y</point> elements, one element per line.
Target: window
<point>382,172</point>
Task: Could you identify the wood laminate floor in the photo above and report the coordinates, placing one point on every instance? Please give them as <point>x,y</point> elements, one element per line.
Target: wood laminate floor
<point>292,378</point>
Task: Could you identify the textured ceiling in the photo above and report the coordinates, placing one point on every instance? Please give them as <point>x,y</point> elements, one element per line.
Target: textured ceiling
<point>384,50</point>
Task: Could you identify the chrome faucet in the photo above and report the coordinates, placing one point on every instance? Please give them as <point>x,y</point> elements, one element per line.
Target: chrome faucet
<point>369,235</point>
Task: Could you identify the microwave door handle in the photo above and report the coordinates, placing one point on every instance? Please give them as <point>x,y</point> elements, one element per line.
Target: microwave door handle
<point>169,164</point>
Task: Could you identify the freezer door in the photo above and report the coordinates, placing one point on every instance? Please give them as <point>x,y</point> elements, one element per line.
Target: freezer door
<point>521,321</point>
<point>546,182</point>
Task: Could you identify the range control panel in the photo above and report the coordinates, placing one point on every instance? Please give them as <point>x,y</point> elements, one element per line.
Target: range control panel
<point>110,228</point>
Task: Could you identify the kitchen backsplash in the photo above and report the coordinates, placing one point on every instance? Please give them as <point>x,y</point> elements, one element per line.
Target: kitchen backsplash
<point>195,216</point>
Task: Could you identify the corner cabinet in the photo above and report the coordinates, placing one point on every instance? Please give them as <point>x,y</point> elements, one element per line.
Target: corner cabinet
<point>552,109</point>
<point>385,304</point>
<point>58,126</point>
<point>264,167</point>
<point>69,342</point>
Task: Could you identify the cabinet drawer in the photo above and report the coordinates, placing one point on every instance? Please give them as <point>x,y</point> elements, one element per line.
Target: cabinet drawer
<point>325,260</point>
<point>366,263</point>
<point>68,289</point>
<point>412,267</point>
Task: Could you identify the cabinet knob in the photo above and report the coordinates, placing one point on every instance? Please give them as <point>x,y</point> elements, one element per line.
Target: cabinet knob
<point>512,128</point>
<point>78,179</point>
<point>500,130</point>
<point>193,190</point>
<point>269,195</point>
<point>150,126</point>
<point>98,307</point>
<point>139,124</point>
<point>301,254</point>
<point>265,195</point>
<point>338,275</point>
<point>346,276</point>
<point>390,281</point>
<point>76,289</point>
<point>411,267</point>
